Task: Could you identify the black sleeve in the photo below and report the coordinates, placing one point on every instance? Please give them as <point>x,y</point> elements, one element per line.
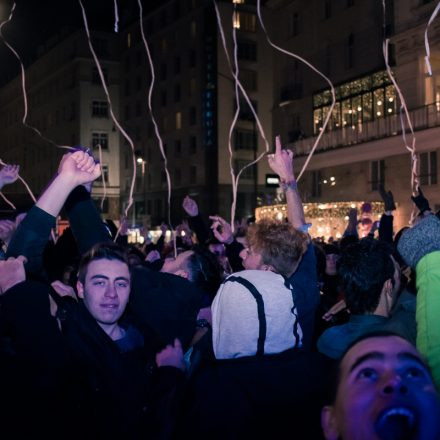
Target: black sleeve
<point>84,219</point>
<point>198,226</point>
<point>167,303</point>
<point>31,237</point>
<point>386,228</point>
<point>233,253</point>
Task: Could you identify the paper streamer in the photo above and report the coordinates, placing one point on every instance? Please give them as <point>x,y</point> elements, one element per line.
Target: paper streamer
<point>327,119</point>
<point>156,127</point>
<point>427,49</point>
<point>23,84</point>
<point>8,201</point>
<point>116,16</point>
<point>117,124</point>
<point>234,69</point>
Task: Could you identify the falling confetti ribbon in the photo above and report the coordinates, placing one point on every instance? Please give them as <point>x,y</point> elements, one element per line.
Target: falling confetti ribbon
<point>327,119</point>
<point>23,84</point>
<point>116,16</point>
<point>117,124</point>
<point>235,73</point>
<point>8,201</point>
<point>156,127</point>
<point>427,49</point>
<point>403,110</point>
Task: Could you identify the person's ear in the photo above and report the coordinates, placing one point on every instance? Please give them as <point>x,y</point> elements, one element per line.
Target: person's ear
<point>388,287</point>
<point>182,273</point>
<point>80,289</point>
<point>328,423</point>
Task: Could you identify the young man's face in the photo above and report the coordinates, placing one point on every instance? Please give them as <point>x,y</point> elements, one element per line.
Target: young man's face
<point>251,259</point>
<point>385,392</point>
<point>106,290</point>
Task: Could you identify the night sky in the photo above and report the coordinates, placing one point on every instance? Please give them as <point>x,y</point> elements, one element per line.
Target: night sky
<point>35,21</point>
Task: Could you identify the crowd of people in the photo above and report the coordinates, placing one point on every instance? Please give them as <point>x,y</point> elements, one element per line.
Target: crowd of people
<point>252,330</point>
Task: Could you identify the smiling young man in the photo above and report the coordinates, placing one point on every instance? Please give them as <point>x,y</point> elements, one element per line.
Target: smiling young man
<point>384,392</point>
<point>104,286</point>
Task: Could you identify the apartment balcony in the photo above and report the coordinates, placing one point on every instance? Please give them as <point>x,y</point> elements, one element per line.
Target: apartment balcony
<point>421,118</point>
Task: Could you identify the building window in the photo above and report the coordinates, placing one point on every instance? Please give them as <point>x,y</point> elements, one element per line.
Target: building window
<point>192,58</point>
<point>127,87</point>
<point>176,92</point>
<point>192,116</point>
<point>247,50</point>
<point>294,24</point>
<point>100,138</point>
<point>192,145</point>
<point>163,71</point>
<point>127,63</point>
<point>100,109</point>
<point>138,83</point>
<point>350,51</point>
<point>138,58</point>
<point>246,21</point>
<point>176,65</point>
<point>362,100</point>
<point>163,98</point>
<point>245,110</point>
<point>248,79</point>
<point>244,139</point>
<point>350,3</point>
<point>248,173</point>
<point>177,147</point>
<point>193,28</point>
<point>316,183</point>
<point>178,120</point>
<point>327,9</point>
<point>101,46</point>
<point>428,168</point>
<point>377,173</point>
<point>138,108</point>
<point>178,176</point>
<point>192,175</point>
<point>192,86</point>
<point>127,112</point>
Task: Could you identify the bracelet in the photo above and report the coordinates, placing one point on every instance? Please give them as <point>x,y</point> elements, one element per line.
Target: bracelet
<point>291,184</point>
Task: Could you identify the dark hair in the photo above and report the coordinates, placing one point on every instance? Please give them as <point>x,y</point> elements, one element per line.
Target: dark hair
<point>101,251</point>
<point>363,269</point>
<point>204,270</point>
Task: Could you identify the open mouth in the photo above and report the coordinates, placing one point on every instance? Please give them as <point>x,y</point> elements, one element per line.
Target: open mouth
<point>396,423</point>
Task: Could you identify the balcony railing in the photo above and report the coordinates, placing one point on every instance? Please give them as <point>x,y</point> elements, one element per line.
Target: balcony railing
<point>421,118</point>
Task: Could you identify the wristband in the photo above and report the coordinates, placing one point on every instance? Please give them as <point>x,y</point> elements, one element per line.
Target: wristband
<point>291,184</point>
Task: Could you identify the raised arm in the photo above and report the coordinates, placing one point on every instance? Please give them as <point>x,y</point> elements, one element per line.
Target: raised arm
<point>32,234</point>
<point>281,163</point>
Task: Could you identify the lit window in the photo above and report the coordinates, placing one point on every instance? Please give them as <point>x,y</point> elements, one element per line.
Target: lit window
<point>129,40</point>
<point>178,120</point>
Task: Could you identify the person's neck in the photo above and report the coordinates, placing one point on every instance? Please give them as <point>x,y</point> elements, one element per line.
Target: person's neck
<point>113,331</point>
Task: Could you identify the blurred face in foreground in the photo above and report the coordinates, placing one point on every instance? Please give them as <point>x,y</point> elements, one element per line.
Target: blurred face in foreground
<point>385,392</point>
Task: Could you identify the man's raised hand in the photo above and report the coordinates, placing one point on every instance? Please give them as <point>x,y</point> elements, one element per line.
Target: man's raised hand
<point>281,162</point>
<point>11,272</point>
<point>221,229</point>
<point>79,168</point>
<point>8,174</point>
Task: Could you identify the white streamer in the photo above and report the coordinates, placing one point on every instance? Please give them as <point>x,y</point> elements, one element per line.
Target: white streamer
<point>116,16</point>
<point>118,125</point>
<point>327,119</point>
<point>235,73</point>
<point>427,49</point>
<point>23,84</point>
<point>156,127</point>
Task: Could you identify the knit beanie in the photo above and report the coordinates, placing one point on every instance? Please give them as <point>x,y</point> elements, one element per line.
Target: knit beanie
<point>420,240</point>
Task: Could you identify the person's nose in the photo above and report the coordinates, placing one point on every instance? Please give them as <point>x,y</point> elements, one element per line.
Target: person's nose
<point>393,383</point>
<point>110,292</point>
